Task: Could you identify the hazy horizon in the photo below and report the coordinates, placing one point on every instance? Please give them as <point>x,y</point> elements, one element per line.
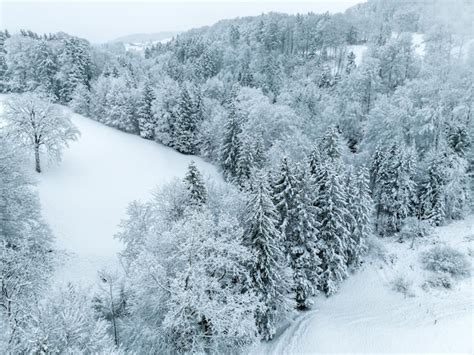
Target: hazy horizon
<point>86,18</point>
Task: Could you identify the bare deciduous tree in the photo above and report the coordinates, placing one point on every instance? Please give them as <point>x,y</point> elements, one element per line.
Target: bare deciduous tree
<point>34,121</point>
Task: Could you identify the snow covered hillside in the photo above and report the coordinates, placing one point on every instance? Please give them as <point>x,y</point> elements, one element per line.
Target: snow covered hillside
<point>368,316</point>
<point>85,196</point>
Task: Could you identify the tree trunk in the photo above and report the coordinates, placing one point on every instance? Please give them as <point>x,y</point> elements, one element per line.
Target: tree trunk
<point>37,158</point>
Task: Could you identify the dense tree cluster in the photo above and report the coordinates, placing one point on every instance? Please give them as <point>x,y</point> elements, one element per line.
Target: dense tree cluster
<point>319,145</point>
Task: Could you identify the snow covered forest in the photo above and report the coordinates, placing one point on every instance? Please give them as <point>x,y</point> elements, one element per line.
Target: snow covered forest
<point>305,160</point>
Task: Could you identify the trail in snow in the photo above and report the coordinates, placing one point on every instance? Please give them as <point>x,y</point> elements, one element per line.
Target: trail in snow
<point>85,196</point>
<point>367,316</point>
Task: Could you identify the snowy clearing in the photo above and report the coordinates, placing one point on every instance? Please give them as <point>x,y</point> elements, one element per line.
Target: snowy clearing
<point>85,196</point>
<point>367,316</point>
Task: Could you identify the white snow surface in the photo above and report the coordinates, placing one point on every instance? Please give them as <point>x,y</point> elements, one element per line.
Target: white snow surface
<point>85,196</point>
<point>367,316</point>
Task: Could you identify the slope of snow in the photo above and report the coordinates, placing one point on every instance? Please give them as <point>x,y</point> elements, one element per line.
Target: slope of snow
<point>85,196</point>
<point>367,316</point>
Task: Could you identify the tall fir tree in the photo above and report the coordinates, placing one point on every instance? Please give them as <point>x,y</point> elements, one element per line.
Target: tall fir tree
<point>195,185</point>
<point>395,188</point>
<point>186,125</point>
<point>305,244</point>
<point>332,216</point>
<point>331,144</point>
<point>146,118</point>
<point>350,63</point>
<point>270,275</point>
<point>360,206</point>
<point>432,204</point>
<point>284,195</point>
<point>231,145</point>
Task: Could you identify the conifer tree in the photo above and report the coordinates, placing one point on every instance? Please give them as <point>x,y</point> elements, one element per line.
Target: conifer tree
<point>305,244</point>
<point>284,195</point>
<point>350,64</point>
<point>46,68</point>
<point>146,119</point>
<point>186,125</point>
<point>230,147</point>
<point>81,100</point>
<point>331,144</point>
<point>332,216</point>
<point>195,185</point>
<point>234,35</point>
<point>270,276</point>
<point>360,209</point>
<point>395,189</point>
<point>314,161</point>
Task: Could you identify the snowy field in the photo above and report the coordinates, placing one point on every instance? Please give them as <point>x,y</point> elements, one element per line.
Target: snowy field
<point>367,316</point>
<point>85,196</point>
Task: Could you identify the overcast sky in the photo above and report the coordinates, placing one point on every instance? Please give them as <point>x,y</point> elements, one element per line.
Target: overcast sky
<point>100,21</point>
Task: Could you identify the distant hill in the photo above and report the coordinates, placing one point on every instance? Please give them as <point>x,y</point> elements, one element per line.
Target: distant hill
<point>145,37</point>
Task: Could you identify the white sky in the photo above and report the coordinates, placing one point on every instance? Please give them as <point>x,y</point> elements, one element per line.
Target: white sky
<point>100,21</point>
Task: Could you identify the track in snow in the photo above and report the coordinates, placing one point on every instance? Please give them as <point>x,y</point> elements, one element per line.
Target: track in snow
<point>367,316</point>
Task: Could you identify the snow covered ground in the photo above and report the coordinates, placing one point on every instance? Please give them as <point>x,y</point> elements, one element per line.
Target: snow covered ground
<point>367,316</point>
<point>85,196</point>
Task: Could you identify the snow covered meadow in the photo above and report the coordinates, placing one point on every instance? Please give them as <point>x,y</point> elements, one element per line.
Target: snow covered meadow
<point>85,197</point>
<point>272,184</point>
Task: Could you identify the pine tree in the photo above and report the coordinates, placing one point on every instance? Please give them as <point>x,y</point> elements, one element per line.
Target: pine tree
<point>186,125</point>
<point>395,189</point>
<point>332,216</point>
<point>245,76</point>
<point>350,64</point>
<point>314,161</point>
<point>304,244</point>
<point>331,144</point>
<point>81,100</point>
<point>46,68</point>
<point>269,273</point>
<point>234,35</point>
<point>359,204</point>
<point>76,67</point>
<point>230,147</point>
<point>146,118</point>
<point>284,195</point>
<point>375,164</point>
<point>244,164</point>
<point>195,185</point>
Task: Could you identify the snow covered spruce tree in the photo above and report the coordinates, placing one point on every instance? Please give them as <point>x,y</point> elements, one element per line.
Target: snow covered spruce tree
<point>335,237</point>
<point>432,199</point>
<point>231,145</point>
<point>394,192</point>
<point>297,223</point>
<point>284,195</point>
<point>305,245</point>
<point>146,117</point>
<point>331,146</point>
<point>195,185</point>
<point>359,205</point>
<point>270,275</point>
<point>187,122</point>
<point>35,122</point>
